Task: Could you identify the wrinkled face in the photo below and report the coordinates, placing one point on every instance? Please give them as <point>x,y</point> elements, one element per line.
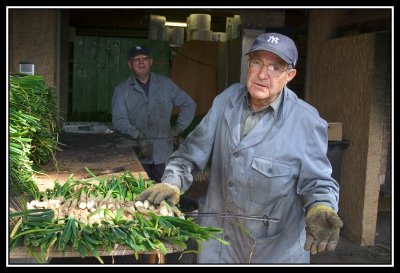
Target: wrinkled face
<point>140,65</point>
<point>267,74</point>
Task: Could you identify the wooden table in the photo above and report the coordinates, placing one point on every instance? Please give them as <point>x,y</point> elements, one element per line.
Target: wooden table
<point>21,252</point>
<point>98,152</point>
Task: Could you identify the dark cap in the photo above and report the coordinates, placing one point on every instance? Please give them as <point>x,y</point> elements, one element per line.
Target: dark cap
<point>278,44</point>
<point>138,50</point>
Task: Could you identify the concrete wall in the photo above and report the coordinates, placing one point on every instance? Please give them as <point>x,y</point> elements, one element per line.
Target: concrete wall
<point>33,38</point>
<point>347,83</point>
<point>64,62</point>
<point>40,36</point>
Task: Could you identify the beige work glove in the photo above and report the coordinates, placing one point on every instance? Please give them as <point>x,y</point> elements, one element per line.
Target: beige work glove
<point>322,227</point>
<point>159,192</point>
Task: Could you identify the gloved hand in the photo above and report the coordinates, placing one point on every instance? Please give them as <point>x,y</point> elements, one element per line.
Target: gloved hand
<point>176,131</point>
<point>322,228</point>
<point>159,192</point>
<point>143,148</point>
<point>177,142</point>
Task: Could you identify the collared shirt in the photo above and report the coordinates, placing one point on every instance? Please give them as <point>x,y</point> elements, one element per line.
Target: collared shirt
<point>250,118</point>
<point>145,86</point>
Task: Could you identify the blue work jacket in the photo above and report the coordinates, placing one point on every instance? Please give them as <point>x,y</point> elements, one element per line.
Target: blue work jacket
<point>279,169</point>
<point>135,113</point>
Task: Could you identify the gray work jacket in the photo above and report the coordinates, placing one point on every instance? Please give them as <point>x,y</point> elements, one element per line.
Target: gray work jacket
<point>279,169</point>
<point>134,113</point>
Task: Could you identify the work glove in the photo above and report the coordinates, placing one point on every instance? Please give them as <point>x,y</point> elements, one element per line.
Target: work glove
<point>322,228</point>
<point>177,142</point>
<point>159,192</point>
<point>176,131</point>
<point>143,148</point>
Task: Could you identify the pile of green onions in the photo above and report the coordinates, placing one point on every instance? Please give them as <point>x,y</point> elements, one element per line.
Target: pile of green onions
<point>33,131</point>
<point>142,230</point>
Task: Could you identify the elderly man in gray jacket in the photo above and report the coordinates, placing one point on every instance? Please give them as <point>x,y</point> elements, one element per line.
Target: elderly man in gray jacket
<point>268,158</point>
<point>142,107</point>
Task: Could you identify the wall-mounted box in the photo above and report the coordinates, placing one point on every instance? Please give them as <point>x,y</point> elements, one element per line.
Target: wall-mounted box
<point>335,131</point>
<point>27,68</point>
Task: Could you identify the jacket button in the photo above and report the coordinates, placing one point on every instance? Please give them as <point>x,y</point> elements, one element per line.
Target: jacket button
<point>230,184</point>
<point>226,238</point>
<point>270,170</point>
<point>235,155</point>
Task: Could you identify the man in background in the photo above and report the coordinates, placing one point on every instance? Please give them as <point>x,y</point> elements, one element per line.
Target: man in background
<point>142,107</point>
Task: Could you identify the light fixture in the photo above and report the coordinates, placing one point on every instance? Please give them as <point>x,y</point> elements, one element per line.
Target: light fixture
<point>175,24</point>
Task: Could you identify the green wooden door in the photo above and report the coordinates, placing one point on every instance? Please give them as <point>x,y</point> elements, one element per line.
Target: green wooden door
<point>99,64</point>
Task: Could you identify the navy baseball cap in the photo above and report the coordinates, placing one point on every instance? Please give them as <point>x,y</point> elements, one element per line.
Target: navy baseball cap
<point>138,50</point>
<point>278,44</point>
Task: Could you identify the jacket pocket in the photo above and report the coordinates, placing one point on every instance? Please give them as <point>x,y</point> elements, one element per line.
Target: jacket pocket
<point>270,176</point>
<point>163,100</point>
<point>270,168</point>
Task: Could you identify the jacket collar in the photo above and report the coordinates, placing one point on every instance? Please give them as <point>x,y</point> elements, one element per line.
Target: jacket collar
<point>234,114</point>
<point>154,81</point>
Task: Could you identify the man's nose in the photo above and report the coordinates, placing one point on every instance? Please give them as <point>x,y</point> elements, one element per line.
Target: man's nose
<point>263,73</point>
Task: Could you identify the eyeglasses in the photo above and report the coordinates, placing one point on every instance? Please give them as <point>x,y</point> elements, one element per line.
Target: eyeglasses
<point>272,69</point>
<point>140,59</point>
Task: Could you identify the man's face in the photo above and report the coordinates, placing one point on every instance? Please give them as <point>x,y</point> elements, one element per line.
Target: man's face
<point>264,84</point>
<point>140,65</point>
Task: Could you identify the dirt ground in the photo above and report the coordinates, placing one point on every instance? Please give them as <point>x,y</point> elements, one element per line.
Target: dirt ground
<point>105,152</point>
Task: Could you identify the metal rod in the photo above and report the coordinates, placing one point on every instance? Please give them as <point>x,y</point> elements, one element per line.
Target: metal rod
<point>231,215</point>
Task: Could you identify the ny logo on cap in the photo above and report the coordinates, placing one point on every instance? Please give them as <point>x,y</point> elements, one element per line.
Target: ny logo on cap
<point>138,48</point>
<point>273,39</point>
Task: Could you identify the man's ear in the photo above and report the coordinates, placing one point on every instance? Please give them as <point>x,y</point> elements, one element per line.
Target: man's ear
<point>130,64</point>
<point>291,74</point>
